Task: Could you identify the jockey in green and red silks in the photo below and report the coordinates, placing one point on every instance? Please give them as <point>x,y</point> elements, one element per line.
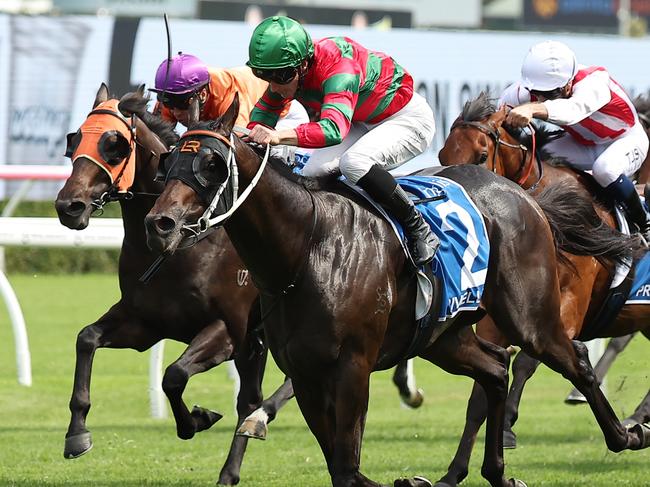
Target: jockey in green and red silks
<point>367,117</point>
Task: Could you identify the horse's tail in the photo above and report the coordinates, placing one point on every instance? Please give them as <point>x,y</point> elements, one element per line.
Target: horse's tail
<point>579,230</point>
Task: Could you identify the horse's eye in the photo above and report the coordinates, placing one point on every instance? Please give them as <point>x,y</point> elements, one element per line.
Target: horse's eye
<point>484,156</point>
<point>212,168</point>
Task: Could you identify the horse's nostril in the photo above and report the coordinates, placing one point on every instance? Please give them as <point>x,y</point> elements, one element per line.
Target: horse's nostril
<point>165,224</point>
<point>76,208</point>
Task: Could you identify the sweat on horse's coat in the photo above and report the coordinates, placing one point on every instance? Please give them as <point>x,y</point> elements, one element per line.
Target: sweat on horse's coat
<point>352,293</point>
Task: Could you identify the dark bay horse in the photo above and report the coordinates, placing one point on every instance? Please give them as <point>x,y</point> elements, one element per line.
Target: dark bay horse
<point>218,305</point>
<point>479,137</point>
<point>201,296</point>
<point>338,293</point>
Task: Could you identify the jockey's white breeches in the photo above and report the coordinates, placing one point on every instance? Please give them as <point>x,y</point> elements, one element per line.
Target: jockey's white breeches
<point>389,143</point>
<point>608,161</point>
<point>297,115</point>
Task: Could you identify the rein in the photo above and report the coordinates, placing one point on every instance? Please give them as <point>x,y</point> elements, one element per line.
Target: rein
<point>525,168</point>
<point>205,222</point>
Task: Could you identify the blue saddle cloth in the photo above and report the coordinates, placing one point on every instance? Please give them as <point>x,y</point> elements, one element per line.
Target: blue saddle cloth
<point>462,259</point>
<point>640,292</point>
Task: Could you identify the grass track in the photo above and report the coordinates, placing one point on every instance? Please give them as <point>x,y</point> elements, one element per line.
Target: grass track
<point>561,446</point>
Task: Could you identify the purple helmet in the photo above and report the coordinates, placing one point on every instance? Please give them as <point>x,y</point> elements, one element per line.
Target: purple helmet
<point>186,74</point>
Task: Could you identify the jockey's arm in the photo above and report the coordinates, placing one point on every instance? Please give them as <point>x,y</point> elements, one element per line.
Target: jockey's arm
<point>589,96</point>
<point>266,135</point>
<point>522,115</point>
<point>514,95</point>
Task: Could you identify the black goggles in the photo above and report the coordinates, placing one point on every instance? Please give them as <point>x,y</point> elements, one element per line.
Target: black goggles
<point>548,95</point>
<point>282,76</point>
<point>173,101</point>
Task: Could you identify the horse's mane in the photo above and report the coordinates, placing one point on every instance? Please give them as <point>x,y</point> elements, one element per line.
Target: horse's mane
<point>322,183</point>
<point>482,107</point>
<point>280,166</point>
<point>478,109</point>
<point>137,104</point>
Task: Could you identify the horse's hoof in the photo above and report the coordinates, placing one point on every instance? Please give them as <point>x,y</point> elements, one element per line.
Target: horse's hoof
<point>414,482</point>
<point>414,400</point>
<point>642,430</point>
<point>204,418</point>
<point>77,445</point>
<point>575,397</point>
<point>628,423</point>
<point>252,428</point>
<point>255,425</point>
<point>518,483</point>
<point>509,440</point>
<point>226,479</point>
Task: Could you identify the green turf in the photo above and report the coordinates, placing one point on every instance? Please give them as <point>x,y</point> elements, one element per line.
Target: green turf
<point>560,446</point>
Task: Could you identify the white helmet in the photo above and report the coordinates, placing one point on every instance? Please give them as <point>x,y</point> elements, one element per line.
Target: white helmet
<point>547,66</point>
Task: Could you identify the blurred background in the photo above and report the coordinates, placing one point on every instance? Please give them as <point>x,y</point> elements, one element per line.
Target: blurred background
<point>53,56</point>
<point>55,53</point>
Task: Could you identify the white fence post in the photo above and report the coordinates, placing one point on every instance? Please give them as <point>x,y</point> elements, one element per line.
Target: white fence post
<point>156,394</point>
<point>48,232</point>
<point>23,358</point>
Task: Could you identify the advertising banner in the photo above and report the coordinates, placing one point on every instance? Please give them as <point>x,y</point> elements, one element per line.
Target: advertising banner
<point>51,68</point>
<point>52,60</point>
<point>449,68</point>
<point>585,15</point>
<point>5,58</point>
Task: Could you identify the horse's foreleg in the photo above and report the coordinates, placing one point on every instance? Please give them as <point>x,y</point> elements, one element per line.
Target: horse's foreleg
<point>351,383</point>
<point>523,368</point>
<point>250,366</point>
<point>113,330</point>
<point>255,425</point>
<point>476,412</point>
<point>614,348</point>
<point>404,380</point>
<point>641,413</point>
<point>461,352</point>
<point>474,418</point>
<point>334,405</point>
<point>210,347</point>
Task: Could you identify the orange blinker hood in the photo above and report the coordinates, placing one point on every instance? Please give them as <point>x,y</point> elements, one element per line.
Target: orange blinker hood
<point>105,118</point>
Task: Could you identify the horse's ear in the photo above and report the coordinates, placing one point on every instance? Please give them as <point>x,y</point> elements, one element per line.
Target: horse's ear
<point>194,112</point>
<point>229,118</point>
<point>140,91</point>
<point>102,95</point>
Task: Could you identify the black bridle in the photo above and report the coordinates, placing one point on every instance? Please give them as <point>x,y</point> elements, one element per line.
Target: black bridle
<point>522,173</point>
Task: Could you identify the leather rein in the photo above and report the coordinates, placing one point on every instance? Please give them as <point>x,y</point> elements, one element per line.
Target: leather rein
<point>526,166</point>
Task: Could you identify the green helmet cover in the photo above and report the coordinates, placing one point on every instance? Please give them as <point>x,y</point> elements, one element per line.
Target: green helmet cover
<point>279,42</point>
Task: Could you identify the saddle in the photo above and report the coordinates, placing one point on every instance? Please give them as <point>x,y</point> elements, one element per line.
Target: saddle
<point>454,281</point>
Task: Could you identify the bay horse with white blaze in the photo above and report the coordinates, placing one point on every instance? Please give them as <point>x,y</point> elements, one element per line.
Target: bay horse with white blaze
<point>338,293</point>
<point>479,137</point>
<point>201,296</point>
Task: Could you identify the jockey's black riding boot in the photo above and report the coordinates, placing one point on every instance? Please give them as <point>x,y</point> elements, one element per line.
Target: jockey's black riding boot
<point>624,192</point>
<point>381,185</point>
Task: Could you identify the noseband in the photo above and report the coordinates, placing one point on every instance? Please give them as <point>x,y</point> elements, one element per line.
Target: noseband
<point>207,221</point>
<point>525,168</point>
